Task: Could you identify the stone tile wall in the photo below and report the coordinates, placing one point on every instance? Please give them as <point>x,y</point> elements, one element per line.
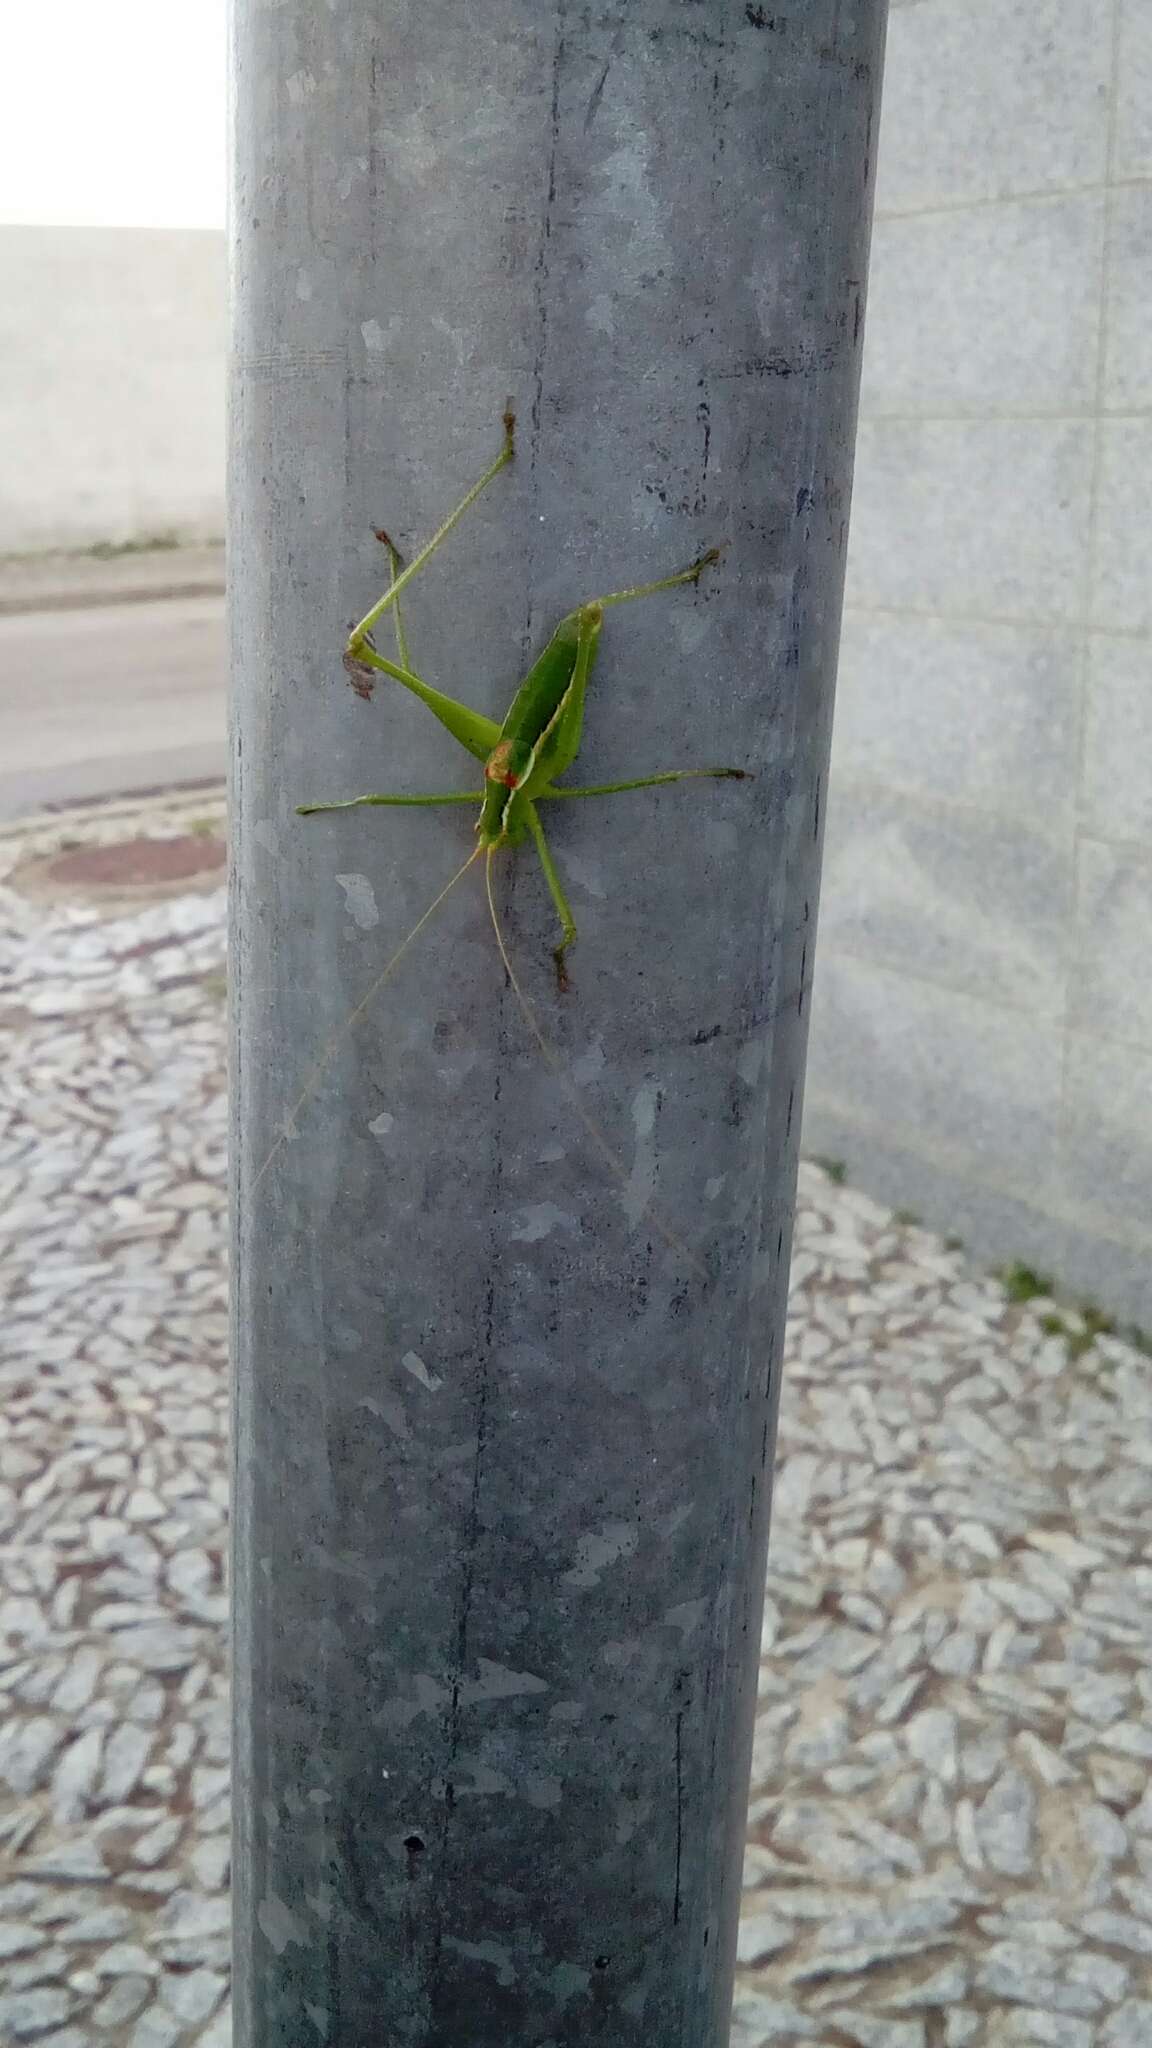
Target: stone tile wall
<point>982,1032</point>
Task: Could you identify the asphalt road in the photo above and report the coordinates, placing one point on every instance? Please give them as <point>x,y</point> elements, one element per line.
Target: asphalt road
<point>110,700</point>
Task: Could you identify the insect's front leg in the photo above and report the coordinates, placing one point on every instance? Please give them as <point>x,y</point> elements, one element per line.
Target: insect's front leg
<point>555,890</point>
<point>355,803</point>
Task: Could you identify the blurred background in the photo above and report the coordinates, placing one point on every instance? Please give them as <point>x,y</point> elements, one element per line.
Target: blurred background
<point>982,1045</point>
<point>981,1058</point>
<point>112,367</point>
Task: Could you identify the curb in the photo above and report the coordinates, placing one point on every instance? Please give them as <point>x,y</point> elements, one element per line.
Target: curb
<point>99,821</point>
<point>48,583</point>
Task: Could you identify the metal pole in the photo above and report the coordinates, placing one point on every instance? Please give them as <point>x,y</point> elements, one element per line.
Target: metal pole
<point>505,1418</point>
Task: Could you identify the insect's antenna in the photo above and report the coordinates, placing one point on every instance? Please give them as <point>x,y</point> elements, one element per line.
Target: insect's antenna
<point>354,1016</point>
<point>548,1053</point>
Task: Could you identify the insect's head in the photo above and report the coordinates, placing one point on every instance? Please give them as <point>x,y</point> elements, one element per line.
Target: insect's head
<point>504,771</point>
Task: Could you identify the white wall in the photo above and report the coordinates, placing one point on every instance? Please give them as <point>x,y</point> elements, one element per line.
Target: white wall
<point>112,352</point>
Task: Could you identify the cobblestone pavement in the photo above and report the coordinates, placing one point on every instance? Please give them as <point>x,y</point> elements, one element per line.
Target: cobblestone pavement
<point>950,1834</point>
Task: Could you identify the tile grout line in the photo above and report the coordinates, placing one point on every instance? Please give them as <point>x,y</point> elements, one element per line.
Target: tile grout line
<point>1080,416</point>
<point>998,1005</point>
<point>1091,567</point>
<point>1032,198</point>
<point>919,977</point>
<point>934,804</point>
<point>946,1157</point>
<point>1020,623</point>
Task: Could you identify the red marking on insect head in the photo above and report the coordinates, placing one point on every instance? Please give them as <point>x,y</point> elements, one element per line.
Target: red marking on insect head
<point>496,767</point>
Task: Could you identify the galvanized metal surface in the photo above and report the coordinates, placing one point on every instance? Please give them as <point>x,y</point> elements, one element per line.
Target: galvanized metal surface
<point>504,1418</point>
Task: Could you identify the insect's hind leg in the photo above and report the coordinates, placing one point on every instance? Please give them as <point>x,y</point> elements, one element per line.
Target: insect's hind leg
<point>556,891</point>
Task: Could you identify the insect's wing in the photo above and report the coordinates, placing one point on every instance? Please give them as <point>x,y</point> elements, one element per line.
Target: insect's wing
<point>559,740</point>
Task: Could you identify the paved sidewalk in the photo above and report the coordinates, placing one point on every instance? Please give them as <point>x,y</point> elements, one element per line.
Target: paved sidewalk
<point>950,1834</point>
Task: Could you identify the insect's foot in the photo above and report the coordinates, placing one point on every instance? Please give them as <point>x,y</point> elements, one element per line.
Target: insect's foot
<point>706,561</point>
<point>385,539</point>
<point>360,675</point>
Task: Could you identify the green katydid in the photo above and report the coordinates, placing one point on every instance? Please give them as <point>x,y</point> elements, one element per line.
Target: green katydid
<point>540,736</point>
<point>522,758</point>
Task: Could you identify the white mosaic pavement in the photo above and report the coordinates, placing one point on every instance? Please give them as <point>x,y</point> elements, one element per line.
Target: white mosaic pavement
<point>951,1832</point>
